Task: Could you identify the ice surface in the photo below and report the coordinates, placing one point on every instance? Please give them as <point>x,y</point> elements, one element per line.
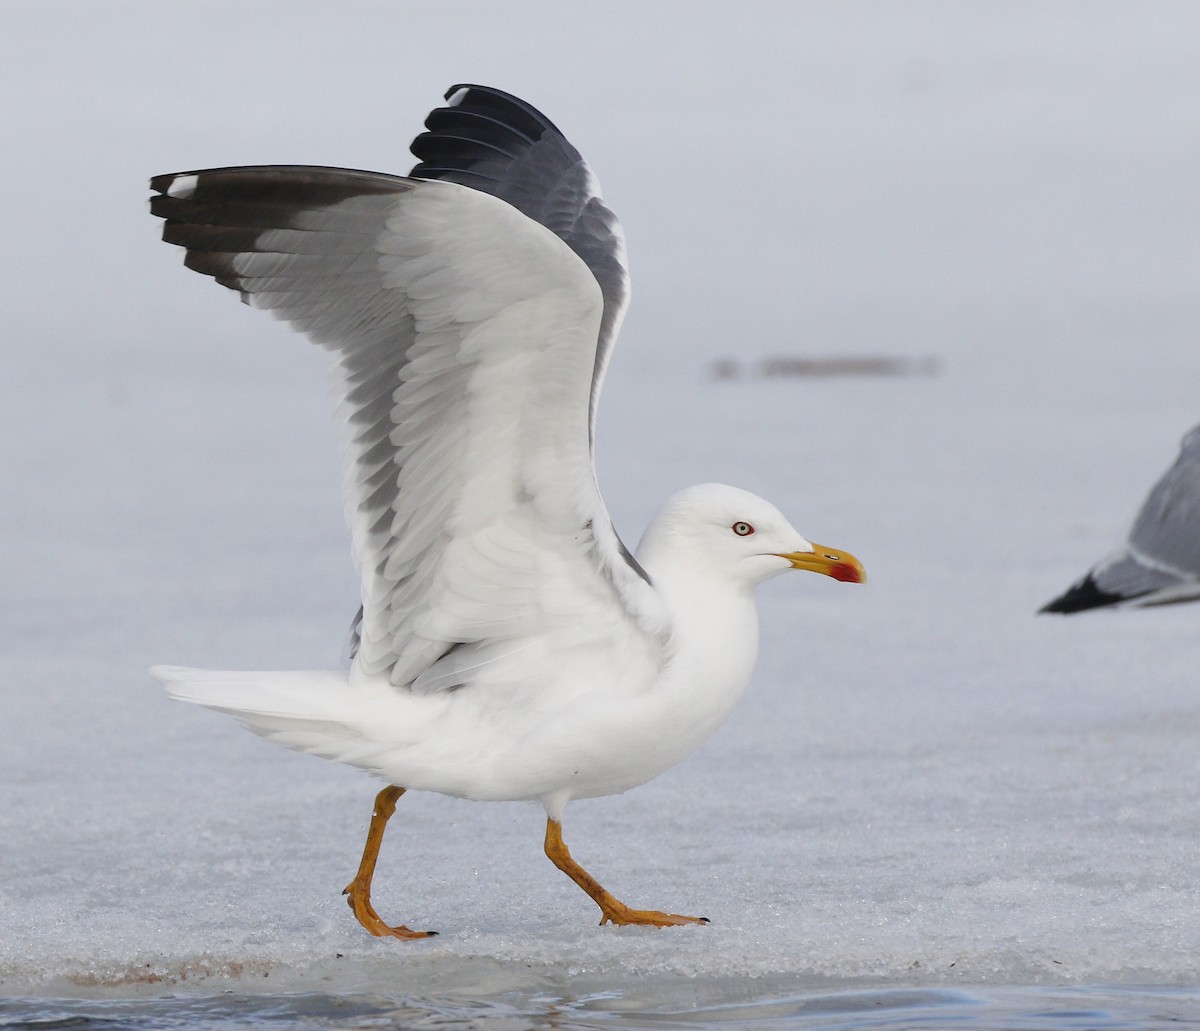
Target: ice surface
<point>927,785</point>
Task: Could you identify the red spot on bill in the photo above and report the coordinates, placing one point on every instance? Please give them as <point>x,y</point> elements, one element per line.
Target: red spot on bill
<point>847,573</point>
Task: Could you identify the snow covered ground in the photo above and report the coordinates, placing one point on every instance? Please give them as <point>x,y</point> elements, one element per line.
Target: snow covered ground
<point>928,785</point>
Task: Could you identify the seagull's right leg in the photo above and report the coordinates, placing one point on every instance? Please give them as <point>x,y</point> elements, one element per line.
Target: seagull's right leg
<point>612,910</point>
<point>359,889</point>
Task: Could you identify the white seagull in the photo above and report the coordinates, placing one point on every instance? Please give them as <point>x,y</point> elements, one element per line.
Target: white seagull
<point>1159,562</point>
<point>509,646</point>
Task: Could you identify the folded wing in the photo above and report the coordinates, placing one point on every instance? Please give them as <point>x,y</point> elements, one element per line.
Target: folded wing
<point>1160,561</point>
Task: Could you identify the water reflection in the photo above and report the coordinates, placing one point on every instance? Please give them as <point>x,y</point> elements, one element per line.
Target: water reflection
<point>1011,1008</point>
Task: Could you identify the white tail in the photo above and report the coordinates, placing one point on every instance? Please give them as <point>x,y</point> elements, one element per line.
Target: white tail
<point>295,709</point>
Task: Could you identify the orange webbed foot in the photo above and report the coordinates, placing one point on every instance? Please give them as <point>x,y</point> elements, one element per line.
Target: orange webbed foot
<point>358,891</point>
<point>360,901</point>
<point>623,916</point>
<point>612,909</point>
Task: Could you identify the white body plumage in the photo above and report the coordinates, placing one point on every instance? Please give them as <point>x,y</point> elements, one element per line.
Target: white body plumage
<point>542,727</point>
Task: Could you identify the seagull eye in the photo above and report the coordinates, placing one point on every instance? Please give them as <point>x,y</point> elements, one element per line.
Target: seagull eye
<point>742,529</point>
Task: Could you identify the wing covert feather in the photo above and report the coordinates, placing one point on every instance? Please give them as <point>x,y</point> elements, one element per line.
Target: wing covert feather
<point>1167,528</point>
<point>465,336</point>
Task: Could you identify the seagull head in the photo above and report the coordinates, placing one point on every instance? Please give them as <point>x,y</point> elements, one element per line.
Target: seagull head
<point>739,536</point>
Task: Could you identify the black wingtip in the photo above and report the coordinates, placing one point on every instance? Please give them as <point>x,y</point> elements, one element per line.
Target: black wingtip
<point>501,100</point>
<point>477,137</point>
<point>1082,596</point>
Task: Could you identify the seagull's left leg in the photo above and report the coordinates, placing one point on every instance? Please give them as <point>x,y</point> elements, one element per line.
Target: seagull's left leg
<point>359,889</point>
<point>612,910</point>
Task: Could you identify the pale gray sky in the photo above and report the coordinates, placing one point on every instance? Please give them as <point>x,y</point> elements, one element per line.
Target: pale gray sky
<point>833,151</point>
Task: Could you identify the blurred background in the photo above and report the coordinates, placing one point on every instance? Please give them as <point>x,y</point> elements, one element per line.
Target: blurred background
<point>984,215</point>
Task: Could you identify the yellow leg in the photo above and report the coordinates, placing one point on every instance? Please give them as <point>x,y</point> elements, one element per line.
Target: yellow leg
<point>359,889</point>
<point>612,910</point>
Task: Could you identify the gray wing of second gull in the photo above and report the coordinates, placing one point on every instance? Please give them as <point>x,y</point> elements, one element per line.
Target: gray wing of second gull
<point>1166,531</point>
<point>1160,560</point>
<point>470,487</point>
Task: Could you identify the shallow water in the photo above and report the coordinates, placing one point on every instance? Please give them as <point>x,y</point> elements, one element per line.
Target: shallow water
<point>990,1007</point>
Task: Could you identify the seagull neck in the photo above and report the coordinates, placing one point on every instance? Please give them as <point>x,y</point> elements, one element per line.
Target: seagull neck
<point>714,635</point>
<point>679,578</point>
<point>714,615</point>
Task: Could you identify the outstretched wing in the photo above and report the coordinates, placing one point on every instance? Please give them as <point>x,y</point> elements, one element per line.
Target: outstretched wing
<point>1160,562</point>
<point>466,339</point>
<point>498,144</point>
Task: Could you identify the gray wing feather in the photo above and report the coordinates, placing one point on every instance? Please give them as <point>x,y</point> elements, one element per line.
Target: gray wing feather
<point>496,143</point>
<point>1166,531</point>
<point>1160,560</point>
<point>329,250</point>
